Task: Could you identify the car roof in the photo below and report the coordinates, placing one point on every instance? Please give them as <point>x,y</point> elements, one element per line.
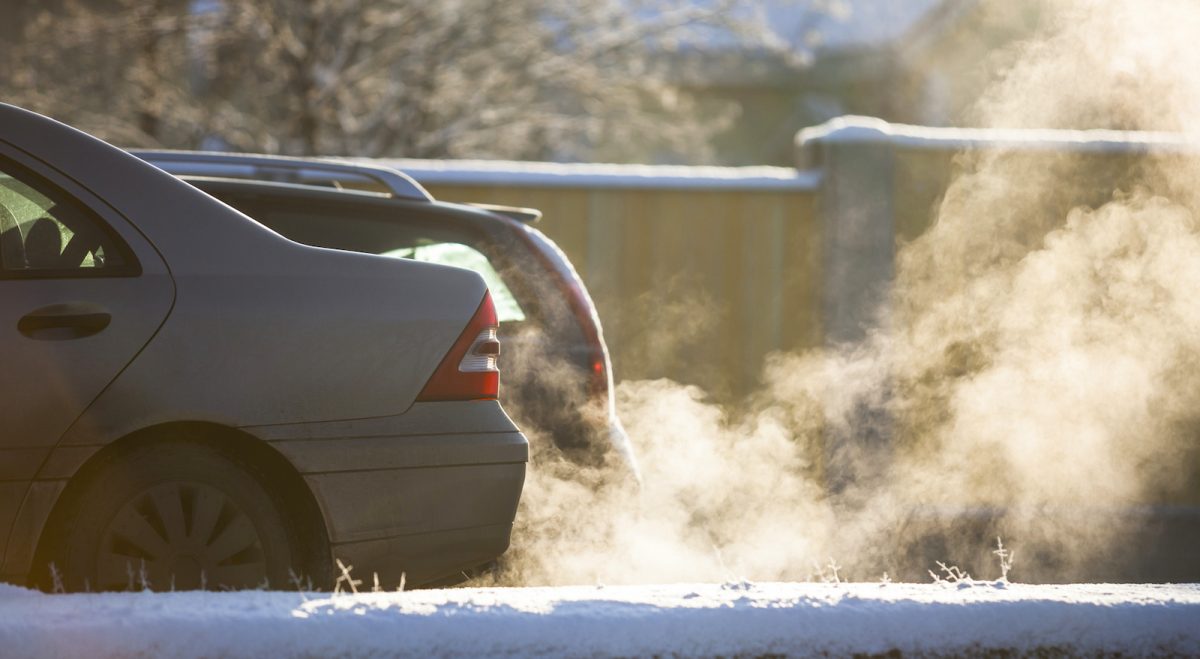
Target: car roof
<point>334,196</point>
<point>313,171</point>
<point>284,188</point>
<point>322,173</point>
<point>280,190</point>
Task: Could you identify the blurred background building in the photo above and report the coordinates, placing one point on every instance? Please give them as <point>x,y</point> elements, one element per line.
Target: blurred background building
<point>709,82</point>
<point>919,61</point>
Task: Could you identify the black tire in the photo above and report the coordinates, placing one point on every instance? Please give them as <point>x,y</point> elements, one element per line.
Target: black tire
<point>176,516</point>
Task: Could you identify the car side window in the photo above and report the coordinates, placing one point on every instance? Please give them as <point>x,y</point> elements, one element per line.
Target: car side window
<point>44,232</point>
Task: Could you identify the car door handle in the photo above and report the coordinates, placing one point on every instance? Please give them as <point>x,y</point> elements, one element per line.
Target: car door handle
<point>64,321</point>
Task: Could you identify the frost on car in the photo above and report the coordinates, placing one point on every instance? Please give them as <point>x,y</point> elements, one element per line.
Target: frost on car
<point>191,400</point>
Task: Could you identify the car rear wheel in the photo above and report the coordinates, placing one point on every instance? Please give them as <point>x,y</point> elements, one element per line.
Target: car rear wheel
<point>177,516</point>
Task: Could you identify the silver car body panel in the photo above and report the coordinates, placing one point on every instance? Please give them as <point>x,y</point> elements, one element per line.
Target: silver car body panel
<point>253,309</point>
<point>232,324</point>
<point>367,475</point>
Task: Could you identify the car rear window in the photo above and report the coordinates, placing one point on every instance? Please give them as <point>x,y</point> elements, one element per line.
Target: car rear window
<point>389,235</point>
<point>465,256</point>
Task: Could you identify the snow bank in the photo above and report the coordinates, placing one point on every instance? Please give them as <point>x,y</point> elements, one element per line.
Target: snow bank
<point>734,619</point>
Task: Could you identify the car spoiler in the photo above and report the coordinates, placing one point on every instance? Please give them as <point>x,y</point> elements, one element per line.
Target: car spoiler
<point>308,171</point>
<point>523,215</point>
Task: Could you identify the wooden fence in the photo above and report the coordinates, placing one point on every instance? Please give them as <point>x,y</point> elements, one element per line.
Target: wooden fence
<point>698,273</point>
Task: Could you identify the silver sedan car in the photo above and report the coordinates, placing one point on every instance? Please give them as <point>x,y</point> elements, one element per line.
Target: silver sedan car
<point>189,400</point>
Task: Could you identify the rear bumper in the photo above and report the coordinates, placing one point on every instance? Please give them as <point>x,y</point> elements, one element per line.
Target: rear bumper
<point>427,494</point>
<point>429,522</point>
<point>427,558</point>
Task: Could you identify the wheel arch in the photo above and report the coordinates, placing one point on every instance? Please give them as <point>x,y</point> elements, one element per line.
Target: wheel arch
<point>276,473</point>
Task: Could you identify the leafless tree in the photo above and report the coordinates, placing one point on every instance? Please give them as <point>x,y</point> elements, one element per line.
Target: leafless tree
<point>111,67</point>
<point>532,79</point>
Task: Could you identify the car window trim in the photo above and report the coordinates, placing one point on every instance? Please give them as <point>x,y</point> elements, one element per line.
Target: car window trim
<point>130,268</point>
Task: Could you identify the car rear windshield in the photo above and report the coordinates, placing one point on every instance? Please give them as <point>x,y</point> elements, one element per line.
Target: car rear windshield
<point>460,255</point>
<point>392,235</point>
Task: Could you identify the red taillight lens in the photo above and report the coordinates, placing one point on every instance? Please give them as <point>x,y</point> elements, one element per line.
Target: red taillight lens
<point>469,371</point>
<point>558,266</point>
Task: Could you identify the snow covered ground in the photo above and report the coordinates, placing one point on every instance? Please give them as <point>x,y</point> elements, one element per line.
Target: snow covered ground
<point>683,619</point>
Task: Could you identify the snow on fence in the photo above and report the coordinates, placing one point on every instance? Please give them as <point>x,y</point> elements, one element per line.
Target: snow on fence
<point>737,619</point>
<point>598,176</point>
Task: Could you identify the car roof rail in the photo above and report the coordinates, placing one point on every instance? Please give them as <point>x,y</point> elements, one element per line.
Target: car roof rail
<point>524,215</point>
<point>308,171</point>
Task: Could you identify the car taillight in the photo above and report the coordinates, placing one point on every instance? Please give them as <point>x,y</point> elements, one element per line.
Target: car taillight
<point>582,308</point>
<point>579,302</point>
<point>599,381</point>
<point>470,370</point>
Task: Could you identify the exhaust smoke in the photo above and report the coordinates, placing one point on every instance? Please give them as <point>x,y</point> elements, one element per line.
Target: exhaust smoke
<point>1036,366</point>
